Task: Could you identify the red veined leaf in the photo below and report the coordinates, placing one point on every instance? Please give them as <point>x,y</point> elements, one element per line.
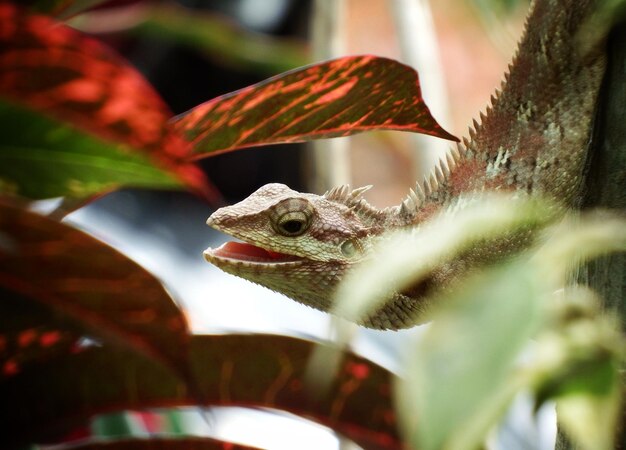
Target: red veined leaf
<point>56,70</point>
<point>335,98</point>
<point>41,157</point>
<point>231,370</point>
<point>84,280</point>
<point>31,334</point>
<point>188,443</point>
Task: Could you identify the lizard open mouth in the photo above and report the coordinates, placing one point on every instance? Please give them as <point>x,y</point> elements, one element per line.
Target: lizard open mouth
<point>244,252</point>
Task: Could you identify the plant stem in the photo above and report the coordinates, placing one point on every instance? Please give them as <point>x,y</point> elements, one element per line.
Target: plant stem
<point>420,49</point>
<point>331,164</point>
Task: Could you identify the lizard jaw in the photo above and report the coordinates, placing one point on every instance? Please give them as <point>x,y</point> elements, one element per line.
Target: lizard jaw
<point>242,253</point>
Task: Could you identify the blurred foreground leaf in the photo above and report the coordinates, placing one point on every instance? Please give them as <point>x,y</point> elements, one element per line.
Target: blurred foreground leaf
<point>460,373</point>
<point>32,334</point>
<point>592,418</point>
<point>467,367</point>
<point>81,280</point>
<point>485,231</point>
<point>237,370</point>
<point>577,363</point>
<point>188,443</point>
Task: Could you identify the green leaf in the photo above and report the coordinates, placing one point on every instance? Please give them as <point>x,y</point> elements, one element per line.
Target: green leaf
<point>588,388</point>
<point>460,373</point>
<point>335,98</point>
<point>41,157</point>
<point>115,424</point>
<point>245,370</point>
<point>577,363</point>
<point>592,419</point>
<point>79,280</point>
<point>221,39</point>
<point>585,375</point>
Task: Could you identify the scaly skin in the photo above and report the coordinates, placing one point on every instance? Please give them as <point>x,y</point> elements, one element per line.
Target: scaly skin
<point>533,140</point>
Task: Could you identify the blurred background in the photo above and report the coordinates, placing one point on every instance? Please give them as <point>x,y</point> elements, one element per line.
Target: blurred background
<point>195,50</point>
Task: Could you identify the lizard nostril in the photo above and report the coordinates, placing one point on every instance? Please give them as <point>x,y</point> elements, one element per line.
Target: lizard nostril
<point>211,221</point>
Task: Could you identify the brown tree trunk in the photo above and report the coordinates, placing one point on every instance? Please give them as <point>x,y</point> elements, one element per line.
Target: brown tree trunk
<point>606,187</point>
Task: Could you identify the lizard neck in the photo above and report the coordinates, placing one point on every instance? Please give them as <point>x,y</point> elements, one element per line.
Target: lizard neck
<point>534,135</point>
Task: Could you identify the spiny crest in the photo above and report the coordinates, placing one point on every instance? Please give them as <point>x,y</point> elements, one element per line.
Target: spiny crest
<point>343,194</point>
<point>476,125</point>
<point>417,196</point>
<point>496,97</point>
<point>353,199</point>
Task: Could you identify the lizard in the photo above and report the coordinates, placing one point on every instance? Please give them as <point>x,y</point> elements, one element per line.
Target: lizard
<point>532,140</point>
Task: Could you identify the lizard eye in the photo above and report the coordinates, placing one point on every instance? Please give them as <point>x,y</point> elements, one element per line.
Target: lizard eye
<point>351,248</point>
<point>348,249</point>
<point>291,217</point>
<point>293,223</point>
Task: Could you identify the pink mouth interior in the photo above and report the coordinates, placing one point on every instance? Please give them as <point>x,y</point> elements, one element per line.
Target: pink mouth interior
<point>249,252</point>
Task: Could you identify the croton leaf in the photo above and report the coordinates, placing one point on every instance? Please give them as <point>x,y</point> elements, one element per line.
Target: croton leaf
<point>41,157</point>
<point>335,98</point>
<point>78,277</point>
<point>56,70</point>
<point>32,334</point>
<point>188,443</point>
<point>231,370</point>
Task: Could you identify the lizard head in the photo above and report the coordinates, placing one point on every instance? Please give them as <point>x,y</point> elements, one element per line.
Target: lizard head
<point>297,244</point>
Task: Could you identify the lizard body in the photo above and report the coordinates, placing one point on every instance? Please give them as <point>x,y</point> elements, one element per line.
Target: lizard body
<point>532,140</point>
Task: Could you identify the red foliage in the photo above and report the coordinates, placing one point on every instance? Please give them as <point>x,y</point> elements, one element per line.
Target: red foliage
<point>56,271</point>
<point>336,98</point>
<point>57,70</point>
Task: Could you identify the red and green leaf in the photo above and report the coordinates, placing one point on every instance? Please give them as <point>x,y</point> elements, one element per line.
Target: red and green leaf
<point>335,98</point>
<point>231,370</point>
<point>188,443</point>
<point>41,157</point>
<point>82,282</point>
<point>53,69</point>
